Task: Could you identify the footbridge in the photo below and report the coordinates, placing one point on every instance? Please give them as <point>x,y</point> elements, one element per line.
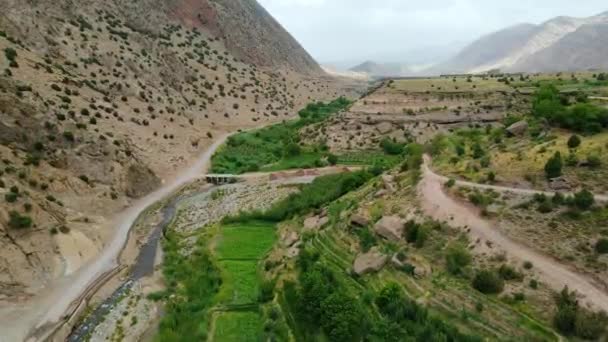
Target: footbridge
<point>221,179</point>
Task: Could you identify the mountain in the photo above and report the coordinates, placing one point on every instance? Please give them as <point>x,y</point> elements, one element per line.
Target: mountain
<point>101,102</point>
<point>535,48</point>
<point>374,69</point>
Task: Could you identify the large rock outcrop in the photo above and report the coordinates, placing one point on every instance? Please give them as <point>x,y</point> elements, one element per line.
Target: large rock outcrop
<point>390,227</point>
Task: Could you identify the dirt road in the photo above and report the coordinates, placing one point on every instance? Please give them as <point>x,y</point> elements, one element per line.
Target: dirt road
<point>497,188</point>
<point>438,205</point>
<point>50,305</point>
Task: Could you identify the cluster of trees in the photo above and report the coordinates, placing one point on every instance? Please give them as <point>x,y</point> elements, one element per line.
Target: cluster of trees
<point>311,196</point>
<point>582,117</point>
<point>249,151</point>
<point>324,304</point>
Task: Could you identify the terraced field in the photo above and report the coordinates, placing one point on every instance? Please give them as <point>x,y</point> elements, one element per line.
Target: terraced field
<point>238,251</point>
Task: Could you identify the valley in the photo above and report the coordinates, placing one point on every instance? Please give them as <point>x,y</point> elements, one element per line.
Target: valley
<point>455,251</point>
<point>186,171</point>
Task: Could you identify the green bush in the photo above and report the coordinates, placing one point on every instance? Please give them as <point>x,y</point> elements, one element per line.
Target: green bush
<point>574,141</point>
<point>18,221</point>
<point>488,282</point>
<point>11,197</point>
<point>509,273</point>
<point>391,147</point>
<point>553,167</point>
<point>601,246</point>
<point>311,196</point>
<point>457,258</point>
<point>584,200</point>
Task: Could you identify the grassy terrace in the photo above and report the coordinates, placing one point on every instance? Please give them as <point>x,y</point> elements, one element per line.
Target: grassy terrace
<point>449,299</point>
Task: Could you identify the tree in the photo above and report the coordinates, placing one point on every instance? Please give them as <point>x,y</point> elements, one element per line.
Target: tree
<point>584,199</point>
<point>553,167</point>
<point>332,159</point>
<point>391,147</point>
<point>574,141</point>
<point>567,309</point>
<point>293,150</point>
<point>601,246</point>
<point>488,282</point>
<point>456,258</point>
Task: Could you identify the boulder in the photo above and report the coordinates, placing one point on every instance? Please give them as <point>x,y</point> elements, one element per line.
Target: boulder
<point>559,184</point>
<point>289,238</point>
<point>359,220</point>
<point>372,261</point>
<point>518,128</point>
<point>389,227</point>
<point>311,222</point>
<point>315,222</point>
<point>384,127</point>
<point>389,183</point>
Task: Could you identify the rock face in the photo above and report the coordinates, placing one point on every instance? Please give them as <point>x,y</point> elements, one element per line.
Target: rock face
<point>140,181</point>
<point>389,227</point>
<point>518,128</point>
<point>373,261</point>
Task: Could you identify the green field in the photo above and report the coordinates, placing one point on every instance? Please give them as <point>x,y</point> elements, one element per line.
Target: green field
<point>278,146</point>
<point>245,241</point>
<point>237,327</point>
<point>240,283</point>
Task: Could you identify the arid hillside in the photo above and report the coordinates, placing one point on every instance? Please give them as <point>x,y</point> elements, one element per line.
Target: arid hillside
<point>103,101</point>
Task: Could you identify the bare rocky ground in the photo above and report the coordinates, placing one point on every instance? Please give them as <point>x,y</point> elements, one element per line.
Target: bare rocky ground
<point>102,102</point>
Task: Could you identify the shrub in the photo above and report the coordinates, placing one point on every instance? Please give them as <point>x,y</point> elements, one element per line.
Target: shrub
<point>574,141</point>
<point>450,183</point>
<point>10,54</point>
<point>567,307</point>
<point>391,147</point>
<point>18,221</point>
<point>553,167</point>
<point>332,159</point>
<point>509,273</point>
<point>594,161</point>
<point>69,136</point>
<point>488,282</point>
<point>584,199</point>
<point>11,197</point>
<point>590,325</point>
<point>601,246</point>
<point>457,257</point>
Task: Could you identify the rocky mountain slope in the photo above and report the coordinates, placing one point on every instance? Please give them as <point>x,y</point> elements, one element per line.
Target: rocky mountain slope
<point>535,48</point>
<point>102,101</point>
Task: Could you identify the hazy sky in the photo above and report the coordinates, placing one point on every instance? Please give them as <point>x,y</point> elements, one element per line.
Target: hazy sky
<point>394,30</point>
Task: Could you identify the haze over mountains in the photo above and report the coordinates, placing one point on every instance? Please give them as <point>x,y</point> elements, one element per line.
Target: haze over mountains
<point>559,44</point>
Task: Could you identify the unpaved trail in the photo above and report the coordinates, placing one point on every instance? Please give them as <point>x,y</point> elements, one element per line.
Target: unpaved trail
<point>438,205</point>
<point>50,304</point>
<point>497,188</point>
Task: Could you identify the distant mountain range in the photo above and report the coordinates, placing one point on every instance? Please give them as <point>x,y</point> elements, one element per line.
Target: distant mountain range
<point>560,44</point>
<point>374,69</point>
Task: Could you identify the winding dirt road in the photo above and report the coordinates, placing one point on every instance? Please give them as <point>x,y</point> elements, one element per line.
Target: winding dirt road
<point>51,304</point>
<point>438,205</point>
